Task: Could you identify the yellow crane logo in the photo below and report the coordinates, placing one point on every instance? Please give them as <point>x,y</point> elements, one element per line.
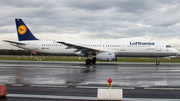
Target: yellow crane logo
<point>22,29</point>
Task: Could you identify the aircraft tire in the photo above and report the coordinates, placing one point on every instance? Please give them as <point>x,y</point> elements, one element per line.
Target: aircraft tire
<point>94,61</point>
<point>88,61</point>
<point>157,62</point>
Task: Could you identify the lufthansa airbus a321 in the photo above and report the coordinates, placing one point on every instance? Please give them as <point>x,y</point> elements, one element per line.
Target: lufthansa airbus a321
<point>93,50</point>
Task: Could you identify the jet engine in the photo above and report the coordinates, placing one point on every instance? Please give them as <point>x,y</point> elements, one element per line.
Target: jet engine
<point>107,56</point>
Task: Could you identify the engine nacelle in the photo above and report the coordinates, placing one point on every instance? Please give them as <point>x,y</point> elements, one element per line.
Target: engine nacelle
<point>107,56</point>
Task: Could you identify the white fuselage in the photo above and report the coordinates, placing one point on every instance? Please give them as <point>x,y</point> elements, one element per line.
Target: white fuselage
<point>121,49</point>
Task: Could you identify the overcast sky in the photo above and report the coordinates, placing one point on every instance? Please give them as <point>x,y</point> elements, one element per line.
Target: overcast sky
<point>157,20</point>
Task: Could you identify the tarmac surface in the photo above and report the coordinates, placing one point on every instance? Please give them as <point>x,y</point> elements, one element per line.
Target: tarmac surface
<point>39,80</point>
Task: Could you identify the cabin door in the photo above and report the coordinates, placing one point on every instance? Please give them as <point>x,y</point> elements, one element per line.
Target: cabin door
<point>35,47</point>
<point>122,47</point>
<point>158,46</point>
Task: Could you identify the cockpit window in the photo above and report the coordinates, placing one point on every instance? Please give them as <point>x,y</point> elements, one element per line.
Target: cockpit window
<point>168,46</point>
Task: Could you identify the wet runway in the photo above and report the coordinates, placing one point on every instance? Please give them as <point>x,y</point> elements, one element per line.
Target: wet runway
<point>138,80</point>
<point>77,73</point>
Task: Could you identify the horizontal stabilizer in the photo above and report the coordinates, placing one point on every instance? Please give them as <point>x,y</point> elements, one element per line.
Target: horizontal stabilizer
<point>18,43</point>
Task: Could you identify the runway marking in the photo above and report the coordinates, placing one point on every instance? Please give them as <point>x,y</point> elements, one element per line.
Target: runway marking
<point>149,99</point>
<point>83,98</point>
<point>17,84</point>
<point>51,96</point>
<point>164,88</point>
<point>96,87</point>
<point>47,86</point>
<point>107,87</point>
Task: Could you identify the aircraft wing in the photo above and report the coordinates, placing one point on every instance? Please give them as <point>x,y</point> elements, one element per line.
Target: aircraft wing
<point>14,42</point>
<point>80,48</point>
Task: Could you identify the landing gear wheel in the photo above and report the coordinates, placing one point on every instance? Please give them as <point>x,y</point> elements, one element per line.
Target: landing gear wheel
<point>157,62</point>
<point>88,61</point>
<point>94,61</point>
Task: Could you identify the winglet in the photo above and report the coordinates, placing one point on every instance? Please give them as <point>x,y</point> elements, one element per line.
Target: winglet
<point>23,31</point>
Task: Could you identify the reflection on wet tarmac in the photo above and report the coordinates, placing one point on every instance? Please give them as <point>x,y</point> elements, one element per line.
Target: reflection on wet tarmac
<point>59,73</point>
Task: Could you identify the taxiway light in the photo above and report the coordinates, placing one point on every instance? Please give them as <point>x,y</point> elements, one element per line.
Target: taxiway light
<point>109,80</point>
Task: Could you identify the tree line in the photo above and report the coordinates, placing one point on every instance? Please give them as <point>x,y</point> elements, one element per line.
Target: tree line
<point>16,52</point>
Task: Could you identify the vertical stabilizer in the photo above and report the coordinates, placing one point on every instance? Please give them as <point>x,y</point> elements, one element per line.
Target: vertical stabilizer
<point>23,31</point>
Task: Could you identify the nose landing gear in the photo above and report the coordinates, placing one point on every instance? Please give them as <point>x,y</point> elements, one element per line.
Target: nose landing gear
<point>157,61</point>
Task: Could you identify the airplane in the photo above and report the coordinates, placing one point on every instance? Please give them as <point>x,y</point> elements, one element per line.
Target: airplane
<point>93,50</point>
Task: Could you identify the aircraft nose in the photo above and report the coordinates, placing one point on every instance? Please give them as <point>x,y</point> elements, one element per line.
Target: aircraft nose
<point>175,51</point>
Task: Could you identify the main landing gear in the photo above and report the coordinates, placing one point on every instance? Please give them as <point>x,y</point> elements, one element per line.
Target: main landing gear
<point>89,61</point>
<point>157,61</point>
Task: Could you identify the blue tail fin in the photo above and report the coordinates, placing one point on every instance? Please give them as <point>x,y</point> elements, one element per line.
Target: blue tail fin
<point>23,32</point>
